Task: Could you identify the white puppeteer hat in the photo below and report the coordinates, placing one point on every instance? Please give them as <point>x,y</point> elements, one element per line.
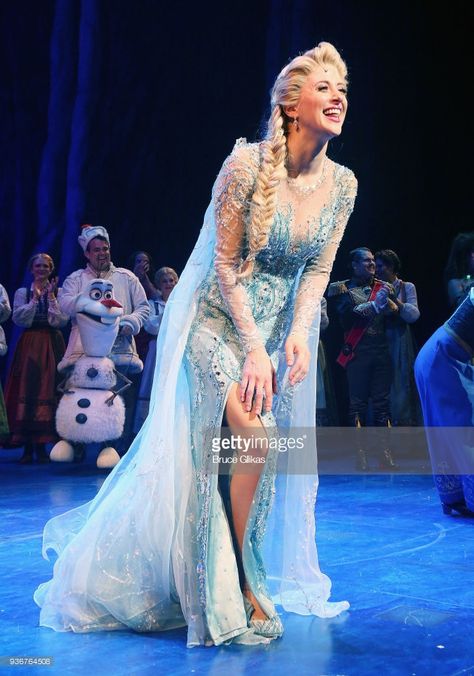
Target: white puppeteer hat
<point>90,232</point>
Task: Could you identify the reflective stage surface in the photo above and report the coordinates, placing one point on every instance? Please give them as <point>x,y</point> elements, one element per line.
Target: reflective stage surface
<point>407,570</point>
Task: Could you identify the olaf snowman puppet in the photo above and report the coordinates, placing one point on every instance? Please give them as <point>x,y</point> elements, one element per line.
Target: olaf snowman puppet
<point>90,410</point>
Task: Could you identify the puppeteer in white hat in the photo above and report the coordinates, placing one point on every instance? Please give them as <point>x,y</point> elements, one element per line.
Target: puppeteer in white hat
<point>89,232</point>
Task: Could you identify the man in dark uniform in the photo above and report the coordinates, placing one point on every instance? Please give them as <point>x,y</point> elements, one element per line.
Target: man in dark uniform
<point>362,303</point>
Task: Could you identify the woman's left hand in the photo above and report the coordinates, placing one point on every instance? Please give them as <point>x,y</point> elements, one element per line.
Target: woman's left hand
<point>52,287</point>
<point>298,358</point>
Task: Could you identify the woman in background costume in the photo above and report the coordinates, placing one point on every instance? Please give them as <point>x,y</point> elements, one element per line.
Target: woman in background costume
<point>30,392</point>
<point>404,403</point>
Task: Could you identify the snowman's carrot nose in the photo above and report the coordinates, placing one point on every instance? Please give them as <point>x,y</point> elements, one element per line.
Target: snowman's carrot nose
<point>111,303</point>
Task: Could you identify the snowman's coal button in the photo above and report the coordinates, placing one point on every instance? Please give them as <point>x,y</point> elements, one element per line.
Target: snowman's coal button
<point>81,418</point>
<point>84,403</point>
<point>92,372</point>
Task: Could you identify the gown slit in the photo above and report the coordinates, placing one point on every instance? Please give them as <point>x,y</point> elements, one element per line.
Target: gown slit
<point>224,487</point>
<point>220,573</point>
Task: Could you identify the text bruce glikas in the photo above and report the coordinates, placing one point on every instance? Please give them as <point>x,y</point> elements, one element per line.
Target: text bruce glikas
<point>249,444</point>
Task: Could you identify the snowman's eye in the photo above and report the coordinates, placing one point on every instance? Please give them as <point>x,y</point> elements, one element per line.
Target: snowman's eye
<point>95,294</point>
<point>108,295</point>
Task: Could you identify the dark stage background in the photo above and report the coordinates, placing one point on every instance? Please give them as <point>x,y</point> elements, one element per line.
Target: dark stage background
<point>121,113</point>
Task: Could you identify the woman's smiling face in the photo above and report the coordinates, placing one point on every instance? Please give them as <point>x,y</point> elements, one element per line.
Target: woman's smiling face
<point>322,106</point>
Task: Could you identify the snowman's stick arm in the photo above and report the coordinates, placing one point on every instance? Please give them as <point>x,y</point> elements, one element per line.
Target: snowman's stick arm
<point>63,388</point>
<point>128,383</point>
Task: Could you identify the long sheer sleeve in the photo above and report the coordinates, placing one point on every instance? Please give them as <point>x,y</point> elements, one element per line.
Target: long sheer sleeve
<point>409,311</point>
<point>232,193</point>
<point>315,276</point>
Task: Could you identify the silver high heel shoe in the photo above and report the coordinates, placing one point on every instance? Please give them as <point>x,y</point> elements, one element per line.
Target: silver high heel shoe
<point>270,628</point>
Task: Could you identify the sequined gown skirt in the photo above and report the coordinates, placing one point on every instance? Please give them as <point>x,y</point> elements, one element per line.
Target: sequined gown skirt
<point>214,361</point>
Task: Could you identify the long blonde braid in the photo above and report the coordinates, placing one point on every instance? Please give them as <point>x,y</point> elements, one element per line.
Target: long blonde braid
<point>285,92</point>
<point>263,204</point>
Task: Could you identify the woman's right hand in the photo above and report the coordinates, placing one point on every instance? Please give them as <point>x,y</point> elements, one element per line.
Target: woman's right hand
<point>38,291</point>
<point>258,381</point>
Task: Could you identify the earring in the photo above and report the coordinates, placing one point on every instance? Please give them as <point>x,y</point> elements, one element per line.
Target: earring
<point>295,122</point>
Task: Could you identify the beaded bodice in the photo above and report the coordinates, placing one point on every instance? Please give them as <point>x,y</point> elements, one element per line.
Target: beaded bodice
<point>302,245</point>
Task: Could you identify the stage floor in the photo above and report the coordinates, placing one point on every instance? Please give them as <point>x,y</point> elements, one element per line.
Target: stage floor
<point>407,570</point>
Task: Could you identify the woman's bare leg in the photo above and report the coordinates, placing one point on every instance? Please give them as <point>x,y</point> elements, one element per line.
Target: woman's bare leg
<point>244,483</point>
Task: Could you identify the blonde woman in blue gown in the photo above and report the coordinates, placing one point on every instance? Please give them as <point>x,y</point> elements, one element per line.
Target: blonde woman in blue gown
<point>158,547</point>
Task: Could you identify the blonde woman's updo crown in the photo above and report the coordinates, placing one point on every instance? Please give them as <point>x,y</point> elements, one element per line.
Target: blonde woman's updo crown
<point>46,257</point>
<point>162,272</point>
<point>286,91</point>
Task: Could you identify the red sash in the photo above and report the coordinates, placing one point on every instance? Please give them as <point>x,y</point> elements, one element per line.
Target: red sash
<point>354,336</point>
